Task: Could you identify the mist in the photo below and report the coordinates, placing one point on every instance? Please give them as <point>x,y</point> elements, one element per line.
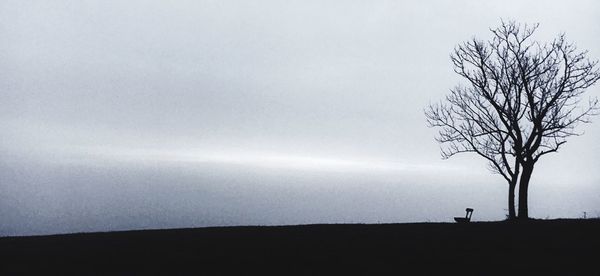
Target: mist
<point>146,114</point>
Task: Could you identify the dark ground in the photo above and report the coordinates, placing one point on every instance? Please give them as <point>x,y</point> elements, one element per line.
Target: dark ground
<point>541,247</point>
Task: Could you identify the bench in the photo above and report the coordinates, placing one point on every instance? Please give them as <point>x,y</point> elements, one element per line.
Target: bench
<point>467,217</point>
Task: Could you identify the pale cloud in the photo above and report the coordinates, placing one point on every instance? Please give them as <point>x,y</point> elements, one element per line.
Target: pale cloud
<point>94,89</point>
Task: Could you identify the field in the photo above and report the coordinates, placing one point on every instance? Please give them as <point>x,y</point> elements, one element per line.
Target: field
<point>563,247</point>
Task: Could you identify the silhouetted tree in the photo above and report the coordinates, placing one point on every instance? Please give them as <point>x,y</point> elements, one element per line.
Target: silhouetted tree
<point>522,100</point>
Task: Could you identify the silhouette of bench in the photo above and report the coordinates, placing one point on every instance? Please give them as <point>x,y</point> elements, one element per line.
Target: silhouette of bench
<point>467,217</point>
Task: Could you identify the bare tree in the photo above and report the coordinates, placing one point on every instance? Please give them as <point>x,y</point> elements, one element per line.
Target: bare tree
<point>522,100</point>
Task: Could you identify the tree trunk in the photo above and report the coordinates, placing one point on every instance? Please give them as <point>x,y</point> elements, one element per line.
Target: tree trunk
<point>523,187</point>
<point>511,201</point>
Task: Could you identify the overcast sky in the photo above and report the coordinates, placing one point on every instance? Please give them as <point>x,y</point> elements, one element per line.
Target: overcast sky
<point>157,114</point>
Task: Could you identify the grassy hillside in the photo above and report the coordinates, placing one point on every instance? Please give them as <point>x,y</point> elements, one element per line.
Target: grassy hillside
<point>567,247</point>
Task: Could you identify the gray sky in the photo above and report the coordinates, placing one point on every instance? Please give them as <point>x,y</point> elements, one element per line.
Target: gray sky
<point>153,114</point>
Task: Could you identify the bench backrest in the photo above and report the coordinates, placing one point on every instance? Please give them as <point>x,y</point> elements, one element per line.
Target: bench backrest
<point>469,213</point>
